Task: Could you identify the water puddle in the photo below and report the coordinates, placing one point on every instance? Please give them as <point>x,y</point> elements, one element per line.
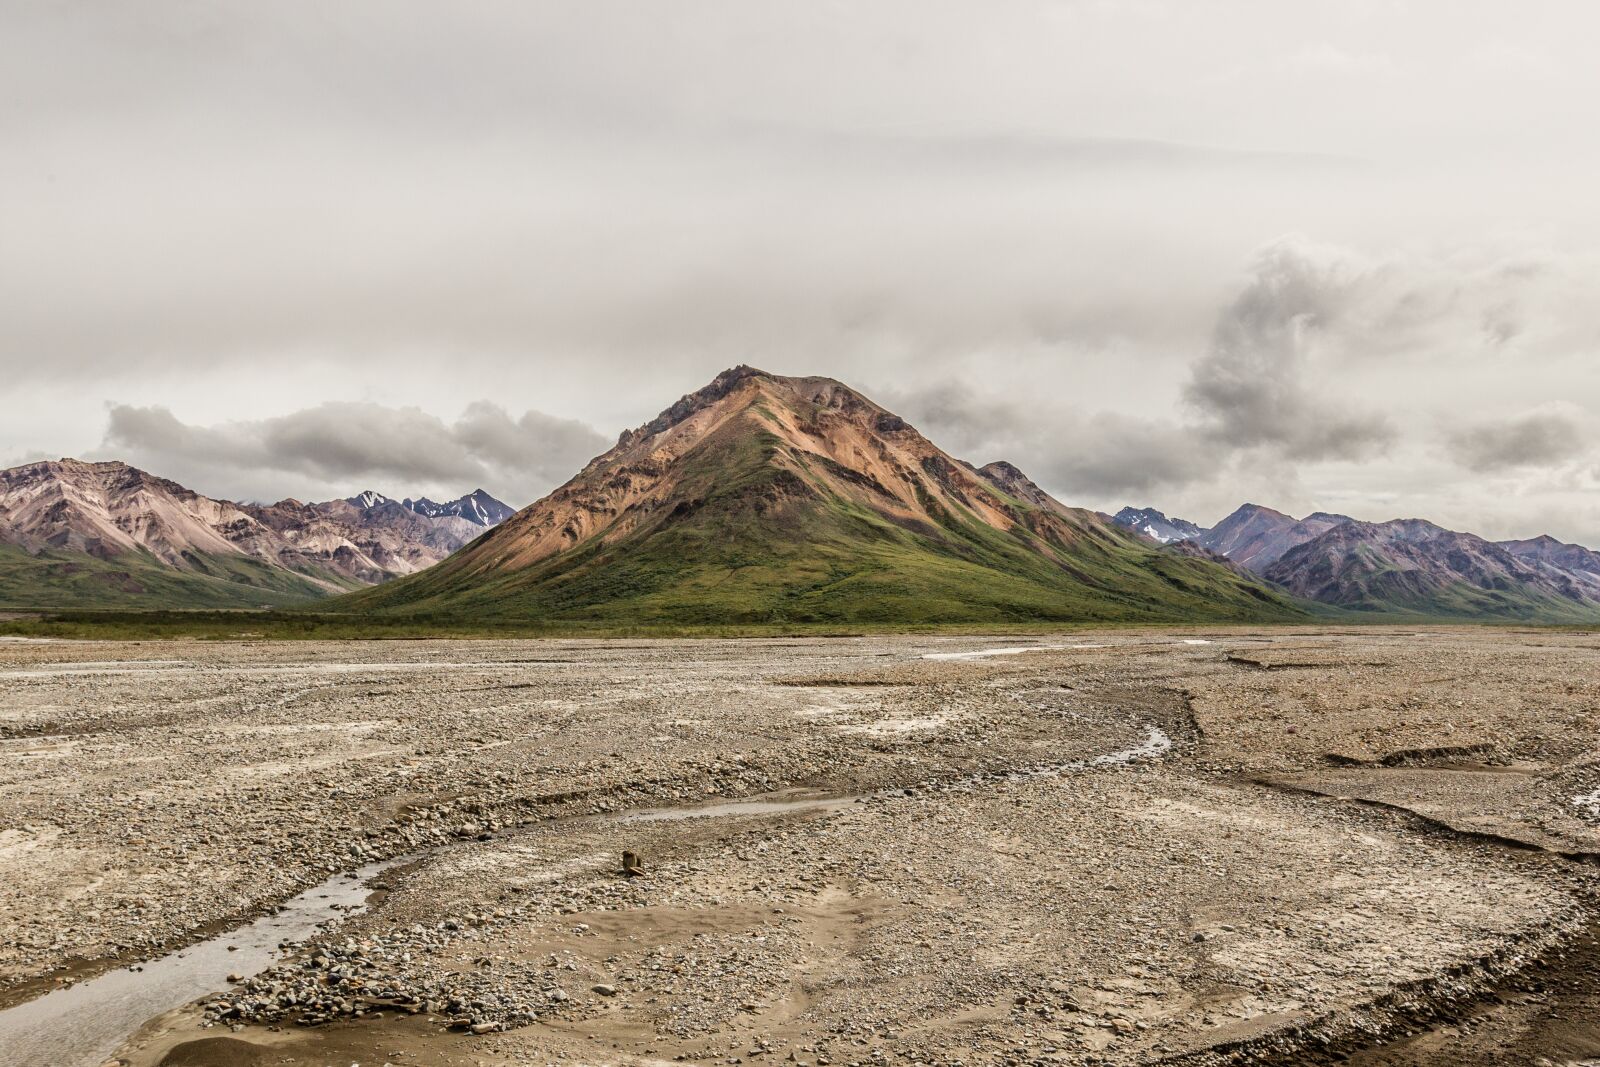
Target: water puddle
<point>1155,745</point>
<point>1589,802</point>
<point>980,654</point>
<point>82,1026</point>
<point>734,808</point>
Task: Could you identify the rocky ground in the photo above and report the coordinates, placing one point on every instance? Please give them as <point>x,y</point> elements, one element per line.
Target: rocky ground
<point>1119,847</point>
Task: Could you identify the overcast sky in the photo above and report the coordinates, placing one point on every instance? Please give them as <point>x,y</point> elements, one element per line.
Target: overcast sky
<point>1338,256</point>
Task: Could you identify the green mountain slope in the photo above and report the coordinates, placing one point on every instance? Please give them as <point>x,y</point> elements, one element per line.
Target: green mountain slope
<point>769,499</point>
<point>75,580</point>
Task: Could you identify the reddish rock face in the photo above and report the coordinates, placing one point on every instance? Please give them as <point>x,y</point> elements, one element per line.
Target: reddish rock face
<point>829,438</point>
<point>764,496</point>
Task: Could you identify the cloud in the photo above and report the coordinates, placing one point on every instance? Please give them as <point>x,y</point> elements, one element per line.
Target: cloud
<point>1534,440</point>
<point>1252,390</point>
<point>1077,452</point>
<point>350,446</point>
<point>1257,395</point>
<point>242,211</point>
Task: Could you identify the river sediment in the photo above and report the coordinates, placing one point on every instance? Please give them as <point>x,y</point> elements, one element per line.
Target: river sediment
<point>1058,856</point>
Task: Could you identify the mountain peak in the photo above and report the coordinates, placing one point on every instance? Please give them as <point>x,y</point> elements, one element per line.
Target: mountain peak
<point>1009,477</point>
<point>67,466</point>
<point>1153,524</point>
<point>763,496</point>
<point>368,499</point>
<point>1413,565</point>
<point>690,403</point>
<point>1256,536</point>
<point>477,507</point>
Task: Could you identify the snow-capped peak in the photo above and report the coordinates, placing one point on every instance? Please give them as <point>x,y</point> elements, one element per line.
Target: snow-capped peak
<point>476,507</point>
<point>1157,526</point>
<point>368,499</point>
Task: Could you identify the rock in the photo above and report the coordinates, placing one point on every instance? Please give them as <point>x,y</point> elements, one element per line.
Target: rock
<point>606,990</point>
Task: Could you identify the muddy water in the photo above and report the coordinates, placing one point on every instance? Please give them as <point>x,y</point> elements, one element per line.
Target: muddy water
<point>83,1025</point>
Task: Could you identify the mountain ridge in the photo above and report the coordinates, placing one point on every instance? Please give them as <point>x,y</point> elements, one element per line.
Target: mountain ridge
<point>105,533</point>
<point>1255,537</point>
<point>1418,567</point>
<point>762,497</point>
<point>1156,526</point>
<point>477,507</point>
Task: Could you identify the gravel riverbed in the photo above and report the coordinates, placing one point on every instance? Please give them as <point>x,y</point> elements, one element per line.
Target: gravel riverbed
<point>1121,847</point>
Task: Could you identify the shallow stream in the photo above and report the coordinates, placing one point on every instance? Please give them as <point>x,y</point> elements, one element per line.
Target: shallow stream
<point>81,1026</point>
<point>84,1025</point>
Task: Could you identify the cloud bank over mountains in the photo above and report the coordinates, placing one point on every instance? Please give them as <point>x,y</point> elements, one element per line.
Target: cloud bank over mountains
<point>1393,376</point>
<point>335,445</point>
<point>1154,252</point>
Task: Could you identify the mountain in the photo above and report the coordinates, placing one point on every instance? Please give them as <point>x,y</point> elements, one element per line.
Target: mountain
<point>1194,550</point>
<point>1411,566</point>
<point>476,507</point>
<point>80,534</point>
<point>363,540</point>
<point>1157,526</point>
<point>1256,537</point>
<point>76,534</point>
<point>367,500</point>
<point>1008,478</point>
<point>1545,553</point>
<point>768,498</point>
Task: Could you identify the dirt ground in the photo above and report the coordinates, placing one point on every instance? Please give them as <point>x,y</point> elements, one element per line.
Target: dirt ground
<point>1272,846</point>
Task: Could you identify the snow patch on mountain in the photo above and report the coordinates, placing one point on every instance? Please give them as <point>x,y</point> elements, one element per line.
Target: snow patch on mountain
<point>476,507</point>
<point>1156,526</point>
<point>367,500</point>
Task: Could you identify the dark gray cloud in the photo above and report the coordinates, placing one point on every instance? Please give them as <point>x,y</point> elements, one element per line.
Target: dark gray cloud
<point>1534,440</point>
<point>351,446</point>
<point>1252,389</point>
<point>1255,397</point>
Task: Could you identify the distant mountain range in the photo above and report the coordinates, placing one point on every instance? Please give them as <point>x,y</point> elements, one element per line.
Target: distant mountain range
<point>759,498</point>
<point>1156,526</point>
<point>75,534</point>
<point>1402,567</point>
<point>1256,537</point>
<point>764,498</point>
<point>477,507</point>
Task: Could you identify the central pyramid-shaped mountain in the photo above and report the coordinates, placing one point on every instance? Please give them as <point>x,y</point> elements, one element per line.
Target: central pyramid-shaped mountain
<point>764,498</point>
